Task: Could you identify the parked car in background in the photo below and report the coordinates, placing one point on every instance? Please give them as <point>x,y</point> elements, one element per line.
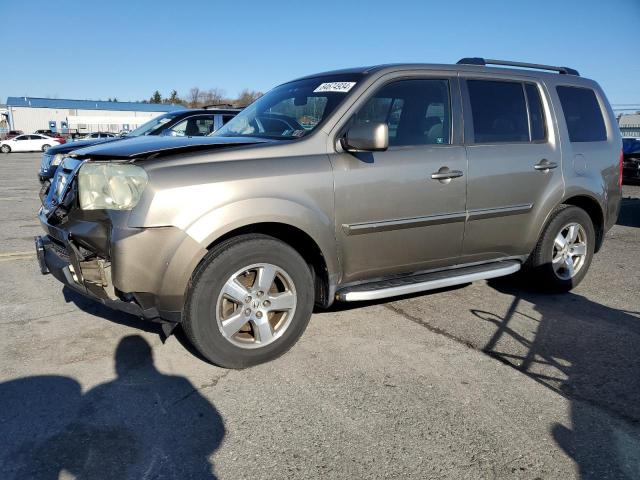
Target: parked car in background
<point>175,124</point>
<point>28,143</point>
<point>631,162</point>
<point>98,136</point>
<point>353,185</point>
<point>13,133</point>
<point>52,134</point>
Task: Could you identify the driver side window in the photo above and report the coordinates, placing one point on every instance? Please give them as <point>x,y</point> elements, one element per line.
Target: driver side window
<point>194,127</point>
<point>417,112</point>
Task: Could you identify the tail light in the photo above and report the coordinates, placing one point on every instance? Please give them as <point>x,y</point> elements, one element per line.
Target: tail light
<point>621,166</point>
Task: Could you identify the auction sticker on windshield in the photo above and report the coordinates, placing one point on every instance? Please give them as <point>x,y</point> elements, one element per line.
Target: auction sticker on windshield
<point>335,87</point>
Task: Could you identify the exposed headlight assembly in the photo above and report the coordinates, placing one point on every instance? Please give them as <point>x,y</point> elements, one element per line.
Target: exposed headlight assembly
<point>110,186</point>
<point>57,160</point>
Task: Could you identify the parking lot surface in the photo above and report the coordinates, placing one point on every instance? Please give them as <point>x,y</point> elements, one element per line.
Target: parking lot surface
<point>487,380</point>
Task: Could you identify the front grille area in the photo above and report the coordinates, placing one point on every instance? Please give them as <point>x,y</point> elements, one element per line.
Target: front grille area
<point>61,184</point>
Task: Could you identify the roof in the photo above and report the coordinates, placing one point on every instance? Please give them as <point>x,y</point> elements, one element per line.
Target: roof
<point>508,69</point>
<point>629,120</point>
<point>34,102</point>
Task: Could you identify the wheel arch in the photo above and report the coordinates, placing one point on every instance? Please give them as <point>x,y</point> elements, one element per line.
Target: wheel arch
<point>300,241</point>
<point>595,212</point>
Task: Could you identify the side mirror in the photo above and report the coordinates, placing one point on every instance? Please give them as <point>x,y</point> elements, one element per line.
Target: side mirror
<point>370,137</point>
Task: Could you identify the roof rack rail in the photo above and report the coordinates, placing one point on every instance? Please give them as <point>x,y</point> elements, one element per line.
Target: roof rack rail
<point>488,61</point>
<point>214,106</point>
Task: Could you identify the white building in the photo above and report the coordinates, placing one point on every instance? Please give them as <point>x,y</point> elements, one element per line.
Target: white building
<point>630,125</point>
<point>80,116</point>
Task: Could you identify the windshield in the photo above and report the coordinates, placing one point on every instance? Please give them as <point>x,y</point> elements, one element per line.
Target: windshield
<point>292,110</point>
<point>157,122</point>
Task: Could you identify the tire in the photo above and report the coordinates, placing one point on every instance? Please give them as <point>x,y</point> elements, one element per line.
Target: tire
<point>5,149</point>
<point>45,147</point>
<point>567,271</point>
<point>246,259</point>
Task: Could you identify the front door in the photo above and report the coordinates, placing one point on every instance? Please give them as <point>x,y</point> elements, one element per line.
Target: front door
<point>392,217</point>
<point>514,176</point>
<point>21,143</point>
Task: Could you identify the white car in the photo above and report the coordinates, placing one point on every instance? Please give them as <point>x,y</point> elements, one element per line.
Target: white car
<point>28,143</point>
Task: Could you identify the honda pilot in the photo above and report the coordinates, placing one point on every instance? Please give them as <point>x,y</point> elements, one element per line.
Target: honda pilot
<point>352,185</point>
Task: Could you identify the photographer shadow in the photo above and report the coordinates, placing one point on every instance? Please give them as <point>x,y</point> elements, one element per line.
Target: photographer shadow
<point>142,424</point>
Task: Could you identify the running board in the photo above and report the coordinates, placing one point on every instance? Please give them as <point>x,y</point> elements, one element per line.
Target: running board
<point>427,281</point>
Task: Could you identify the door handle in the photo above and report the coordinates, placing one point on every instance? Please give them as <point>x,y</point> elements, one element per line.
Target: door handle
<point>445,174</point>
<point>545,165</point>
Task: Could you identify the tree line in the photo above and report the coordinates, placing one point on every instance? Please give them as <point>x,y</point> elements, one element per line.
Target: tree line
<point>197,97</point>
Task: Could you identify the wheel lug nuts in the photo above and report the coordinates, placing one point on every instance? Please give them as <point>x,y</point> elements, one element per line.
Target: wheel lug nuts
<point>259,293</point>
<point>266,303</point>
<point>247,299</point>
<point>259,314</point>
<point>247,312</point>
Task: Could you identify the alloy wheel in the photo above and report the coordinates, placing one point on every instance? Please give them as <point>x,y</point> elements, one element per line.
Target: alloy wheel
<point>569,251</point>
<point>256,305</point>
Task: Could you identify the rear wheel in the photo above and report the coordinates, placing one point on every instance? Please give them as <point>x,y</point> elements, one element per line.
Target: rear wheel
<point>45,147</point>
<point>5,149</point>
<point>250,300</point>
<point>564,252</point>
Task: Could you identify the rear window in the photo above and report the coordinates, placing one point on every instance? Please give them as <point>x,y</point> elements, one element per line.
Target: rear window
<point>499,111</point>
<point>582,114</point>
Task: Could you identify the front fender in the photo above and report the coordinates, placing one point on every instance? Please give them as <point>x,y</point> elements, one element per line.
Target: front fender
<point>225,219</point>
<point>222,220</point>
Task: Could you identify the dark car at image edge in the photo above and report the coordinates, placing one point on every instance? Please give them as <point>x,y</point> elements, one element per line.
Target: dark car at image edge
<point>631,159</point>
<point>160,125</point>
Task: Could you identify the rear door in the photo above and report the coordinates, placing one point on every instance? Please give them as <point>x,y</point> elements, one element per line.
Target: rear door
<point>392,217</point>
<point>514,156</point>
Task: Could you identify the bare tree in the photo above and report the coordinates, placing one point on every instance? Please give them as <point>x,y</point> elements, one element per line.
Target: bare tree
<point>213,96</point>
<point>194,97</point>
<point>247,96</point>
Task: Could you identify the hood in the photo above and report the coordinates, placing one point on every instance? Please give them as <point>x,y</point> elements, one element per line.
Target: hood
<point>70,146</point>
<point>139,147</point>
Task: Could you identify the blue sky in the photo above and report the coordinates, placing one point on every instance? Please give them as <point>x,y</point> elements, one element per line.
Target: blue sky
<point>78,49</point>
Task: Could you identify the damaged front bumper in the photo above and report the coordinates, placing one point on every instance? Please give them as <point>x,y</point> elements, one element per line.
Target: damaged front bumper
<point>89,277</point>
<point>144,271</point>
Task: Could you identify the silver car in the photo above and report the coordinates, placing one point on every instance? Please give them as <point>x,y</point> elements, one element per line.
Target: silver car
<point>351,185</point>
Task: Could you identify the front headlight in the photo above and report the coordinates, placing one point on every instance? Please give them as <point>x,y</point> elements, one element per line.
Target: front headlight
<point>57,159</point>
<point>110,186</point>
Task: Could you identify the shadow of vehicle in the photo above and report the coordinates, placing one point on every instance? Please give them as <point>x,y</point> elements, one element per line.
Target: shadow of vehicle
<point>121,318</point>
<point>629,212</point>
<point>142,424</point>
<point>589,353</point>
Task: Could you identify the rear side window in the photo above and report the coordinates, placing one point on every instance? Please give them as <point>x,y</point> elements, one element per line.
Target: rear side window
<point>499,111</point>
<point>536,113</point>
<point>582,114</point>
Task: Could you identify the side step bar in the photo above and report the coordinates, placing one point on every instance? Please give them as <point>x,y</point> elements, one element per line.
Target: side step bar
<point>427,281</point>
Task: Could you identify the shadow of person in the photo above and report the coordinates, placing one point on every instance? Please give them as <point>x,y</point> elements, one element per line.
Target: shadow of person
<point>143,424</point>
<point>589,353</point>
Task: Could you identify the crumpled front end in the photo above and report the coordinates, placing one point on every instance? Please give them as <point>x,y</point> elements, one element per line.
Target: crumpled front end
<point>142,271</point>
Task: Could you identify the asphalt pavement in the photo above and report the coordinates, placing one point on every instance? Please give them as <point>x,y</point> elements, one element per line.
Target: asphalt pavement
<point>486,380</point>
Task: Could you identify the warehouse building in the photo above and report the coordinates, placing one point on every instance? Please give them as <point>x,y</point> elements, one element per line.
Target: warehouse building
<point>630,125</point>
<point>79,116</point>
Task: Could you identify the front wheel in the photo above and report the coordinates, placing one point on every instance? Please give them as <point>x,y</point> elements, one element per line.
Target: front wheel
<point>250,300</point>
<point>564,252</point>
<point>45,147</point>
<point>5,149</point>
